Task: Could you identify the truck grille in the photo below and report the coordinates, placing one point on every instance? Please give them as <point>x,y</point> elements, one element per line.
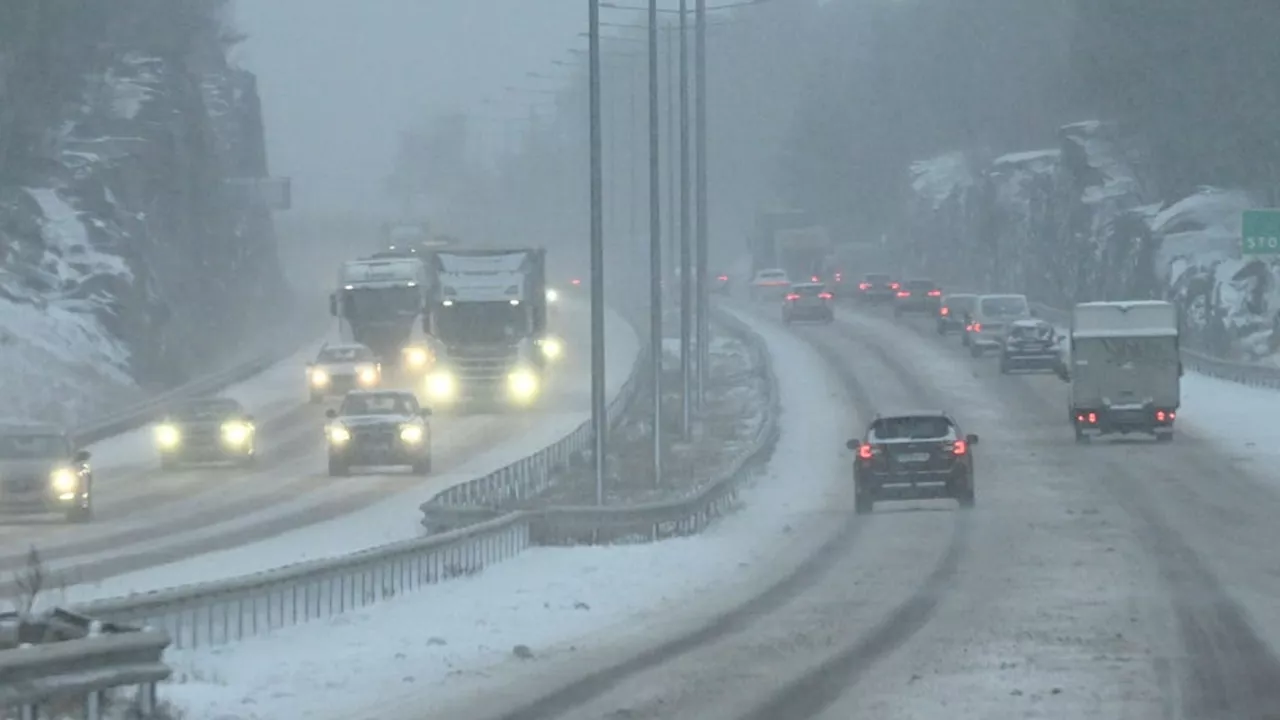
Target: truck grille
<point>483,364</point>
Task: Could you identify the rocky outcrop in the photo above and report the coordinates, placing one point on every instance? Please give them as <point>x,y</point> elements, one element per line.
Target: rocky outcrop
<point>1080,221</point>
<point>119,232</point>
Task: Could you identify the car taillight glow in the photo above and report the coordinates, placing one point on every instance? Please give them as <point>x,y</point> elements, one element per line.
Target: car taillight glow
<point>575,281</point>
<point>935,293</point>
<point>960,447</point>
<point>903,293</point>
<point>1162,416</point>
<point>792,297</point>
<point>894,286</point>
<point>1091,418</point>
<point>839,277</point>
<point>864,286</point>
<point>977,327</point>
<point>723,278</point>
<point>825,295</point>
<point>814,278</point>
<point>866,452</point>
<point>945,311</point>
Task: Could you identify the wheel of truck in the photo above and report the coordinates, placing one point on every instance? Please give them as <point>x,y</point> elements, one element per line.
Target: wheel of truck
<point>975,350</point>
<point>863,504</point>
<point>338,468</point>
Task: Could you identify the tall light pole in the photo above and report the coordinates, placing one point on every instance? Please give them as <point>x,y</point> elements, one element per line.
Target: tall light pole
<point>700,271</point>
<point>686,289</point>
<point>599,413</point>
<point>655,247</point>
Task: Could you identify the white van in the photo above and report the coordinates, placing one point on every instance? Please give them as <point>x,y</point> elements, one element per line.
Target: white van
<point>989,320</point>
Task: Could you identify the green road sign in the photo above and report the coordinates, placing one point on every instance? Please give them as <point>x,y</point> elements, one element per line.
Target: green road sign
<point>1261,232</point>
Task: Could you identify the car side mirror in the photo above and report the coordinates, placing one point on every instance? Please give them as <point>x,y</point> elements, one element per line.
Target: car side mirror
<point>853,444</point>
<point>331,413</point>
<point>81,457</point>
<point>971,439</point>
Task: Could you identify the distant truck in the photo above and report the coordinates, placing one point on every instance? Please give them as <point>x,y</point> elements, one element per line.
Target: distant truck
<point>792,240</point>
<point>380,303</point>
<point>488,321</point>
<point>1124,369</point>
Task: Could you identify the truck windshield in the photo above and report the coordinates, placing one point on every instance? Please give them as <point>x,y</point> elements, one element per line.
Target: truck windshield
<point>378,303</point>
<point>481,322</point>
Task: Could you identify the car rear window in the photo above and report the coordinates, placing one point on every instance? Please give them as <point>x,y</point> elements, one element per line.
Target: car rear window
<point>878,278</point>
<point>773,275</point>
<point>961,302</point>
<point>1005,306</point>
<point>1031,332</point>
<point>918,427</point>
<point>920,285</point>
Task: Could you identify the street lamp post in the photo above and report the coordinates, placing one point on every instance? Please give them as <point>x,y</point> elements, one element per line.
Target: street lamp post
<point>700,276</point>
<point>686,290</point>
<point>655,247</point>
<point>599,413</point>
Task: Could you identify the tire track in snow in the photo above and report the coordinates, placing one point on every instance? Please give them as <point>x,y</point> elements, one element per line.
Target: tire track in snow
<point>1228,670</point>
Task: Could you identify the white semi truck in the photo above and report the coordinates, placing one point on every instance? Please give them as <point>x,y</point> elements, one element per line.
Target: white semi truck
<point>1124,369</point>
<point>488,321</point>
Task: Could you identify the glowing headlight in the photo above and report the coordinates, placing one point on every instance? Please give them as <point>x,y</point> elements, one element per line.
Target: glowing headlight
<point>552,295</point>
<point>411,434</point>
<point>441,386</point>
<point>64,480</point>
<point>338,434</point>
<point>168,436</point>
<point>319,378</point>
<point>552,348</point>
<point>367,374</point>
<point>235,433</point>
<point>523,384</point>
<point>416,357</point>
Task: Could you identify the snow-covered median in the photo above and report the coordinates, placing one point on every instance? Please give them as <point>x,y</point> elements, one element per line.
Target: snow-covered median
<point>457,642</point>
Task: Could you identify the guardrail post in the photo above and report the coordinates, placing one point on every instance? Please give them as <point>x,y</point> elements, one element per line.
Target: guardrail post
<point>30,712</point>
<point>147,699</point>
<point>93,701</point>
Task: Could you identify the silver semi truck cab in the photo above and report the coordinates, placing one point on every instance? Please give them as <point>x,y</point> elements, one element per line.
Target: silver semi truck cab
<point>1124,369</point>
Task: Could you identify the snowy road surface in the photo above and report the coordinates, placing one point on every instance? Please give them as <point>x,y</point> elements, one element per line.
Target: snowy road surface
<point>147,518</point>
<point>446,651</point>
<point>1114,580</point>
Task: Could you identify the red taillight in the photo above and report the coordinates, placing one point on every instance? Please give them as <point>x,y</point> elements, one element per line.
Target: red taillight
<point>575,281</point>
<point>724,278</point>
<point>865,452</point>
<point>960,447</point>
<point>935,293</point>
<point>903,293</point>
<point>894,286</point>
<point>945,311</point>
<point>839,277</point>
<point>864,286</point>
<point>1159,416</point>
<point>825,295</point>
<point>1091,418</point>
<point>792,297</point>
<point>814,278</point>
<point>976,327</point>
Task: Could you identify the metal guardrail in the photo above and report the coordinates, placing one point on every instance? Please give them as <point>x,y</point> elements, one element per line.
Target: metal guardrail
<point>1252,374</point>
<point>98,657</point>
<point>229,610</point>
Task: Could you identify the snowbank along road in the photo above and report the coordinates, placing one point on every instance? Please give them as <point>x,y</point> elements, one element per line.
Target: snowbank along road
<point>1114,580</point>
<point>145,517</point>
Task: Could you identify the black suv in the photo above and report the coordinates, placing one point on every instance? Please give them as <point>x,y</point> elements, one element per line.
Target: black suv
<point>913,456</point>
<point>379,427</point>
<point>920,295</point>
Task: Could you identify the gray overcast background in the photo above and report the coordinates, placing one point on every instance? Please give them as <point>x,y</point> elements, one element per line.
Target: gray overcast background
<point>341,78</point>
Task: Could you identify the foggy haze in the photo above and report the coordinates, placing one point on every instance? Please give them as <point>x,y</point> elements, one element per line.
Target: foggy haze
<point>340,79</point>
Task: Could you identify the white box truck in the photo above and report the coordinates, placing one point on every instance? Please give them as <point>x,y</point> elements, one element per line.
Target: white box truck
<point>1124,369</point>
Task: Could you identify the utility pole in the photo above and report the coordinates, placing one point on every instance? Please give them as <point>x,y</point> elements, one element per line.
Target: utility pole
<point>700,271</point>
<point>655,246</point>
<point>686,288</point>
<point>671,152</point>
<point>599,413</point>
<point>633,166</point>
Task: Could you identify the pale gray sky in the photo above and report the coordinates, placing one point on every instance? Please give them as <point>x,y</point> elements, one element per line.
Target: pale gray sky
<point>341,78</point>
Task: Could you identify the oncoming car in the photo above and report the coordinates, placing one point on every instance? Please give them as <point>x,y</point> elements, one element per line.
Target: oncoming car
<point>1030,345</point>
<point>339,368</point>
<point>808,301</point>
<point>42,472</point>
<point>206,430</point>
<point>912,456</point>
<point>377,428</point>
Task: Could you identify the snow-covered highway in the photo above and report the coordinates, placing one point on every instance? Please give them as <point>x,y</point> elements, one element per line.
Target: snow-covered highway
<point>146,518</point>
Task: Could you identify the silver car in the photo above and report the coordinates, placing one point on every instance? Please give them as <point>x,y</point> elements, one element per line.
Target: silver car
<point>338,369</point>
<point>41,471</point>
